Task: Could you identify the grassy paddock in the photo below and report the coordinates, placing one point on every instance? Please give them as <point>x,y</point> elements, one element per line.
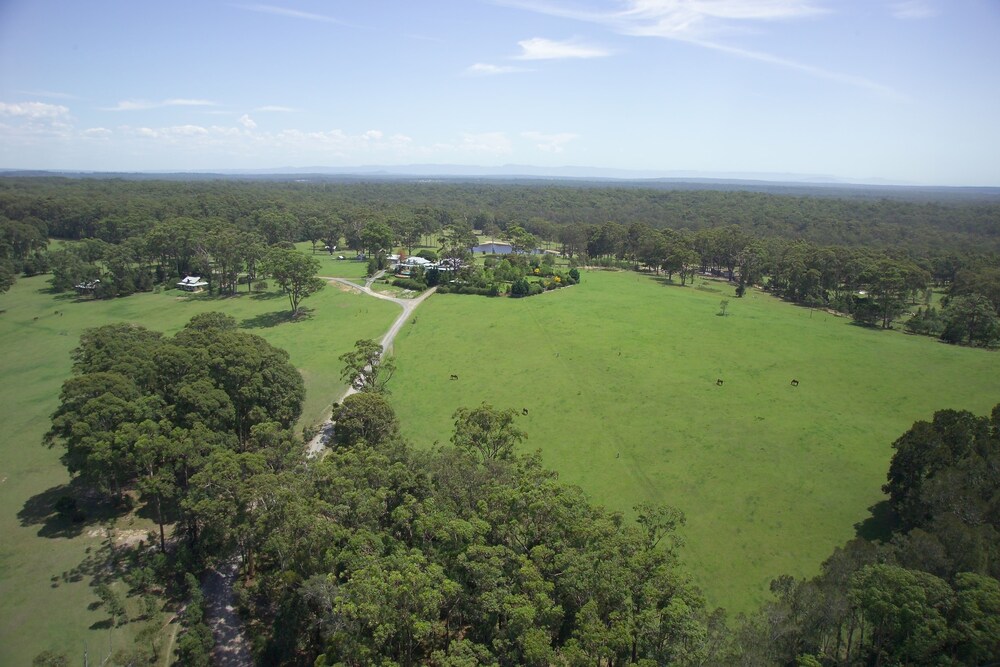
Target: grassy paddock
<point>46,566</point>
<point>619,379</point>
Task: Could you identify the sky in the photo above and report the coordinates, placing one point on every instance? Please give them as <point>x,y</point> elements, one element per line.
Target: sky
<point>861,91</point>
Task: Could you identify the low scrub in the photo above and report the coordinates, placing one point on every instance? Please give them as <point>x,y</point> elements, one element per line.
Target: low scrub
<point>410,283</point>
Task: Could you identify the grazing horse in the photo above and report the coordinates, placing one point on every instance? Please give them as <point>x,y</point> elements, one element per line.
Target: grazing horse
<point>795,383</point>
<point>718,382</point>
<point>524,411</point>
<point>453,377</point>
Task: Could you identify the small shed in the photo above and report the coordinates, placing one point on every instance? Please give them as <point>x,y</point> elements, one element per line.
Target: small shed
<point>192,284</point>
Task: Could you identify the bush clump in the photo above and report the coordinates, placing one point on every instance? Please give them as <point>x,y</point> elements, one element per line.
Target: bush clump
<point>410,283</point>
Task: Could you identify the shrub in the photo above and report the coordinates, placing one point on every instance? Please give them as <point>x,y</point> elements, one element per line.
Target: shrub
<point>432,277</point>
<point>574,273</point>
<point>519,288</point>
<point>428,254</point>
<point>409,283</point>
<point>489,290</point>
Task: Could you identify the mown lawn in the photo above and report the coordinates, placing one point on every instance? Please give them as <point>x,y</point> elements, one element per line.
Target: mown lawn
<point>46,566</point>
<point>618,377</point>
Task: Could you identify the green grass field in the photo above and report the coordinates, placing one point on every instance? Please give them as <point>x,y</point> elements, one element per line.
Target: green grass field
<point>619,379</point>
<point>618,376</point>
<point>37,611</point>
<point>348,268</point>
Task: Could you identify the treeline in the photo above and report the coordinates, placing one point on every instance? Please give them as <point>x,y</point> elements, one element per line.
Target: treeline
<point>926,591</point>
<point>116,209</point>
<point>875,287</point>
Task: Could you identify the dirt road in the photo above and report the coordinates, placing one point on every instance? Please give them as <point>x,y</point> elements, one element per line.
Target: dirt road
<point>318,443</point>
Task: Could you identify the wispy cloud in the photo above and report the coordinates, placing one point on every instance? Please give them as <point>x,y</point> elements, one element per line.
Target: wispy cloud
<point>33,110</point>
<point>702,23</point>
<point>486,69</point>
<point>683,18</point>
<point>97,133</point>
<point>550,143</point>
<point>539,48</point>
<point>288,12</point>
<point>495,143</point>
<point>678,18</point>
<point>50,94</point>
<point>274,108</point>
<point>182,102</point>
<point>913,9</point>
<point>818,72</point>
<point>247,122</point>
<point>141,105</point>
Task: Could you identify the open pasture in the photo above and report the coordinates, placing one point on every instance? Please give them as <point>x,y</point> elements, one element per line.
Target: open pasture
<point>40,607</point>
<point>618,378</point>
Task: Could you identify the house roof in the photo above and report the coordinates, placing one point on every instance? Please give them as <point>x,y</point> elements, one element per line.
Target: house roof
<point>192,281</point>
<point>493,246</point>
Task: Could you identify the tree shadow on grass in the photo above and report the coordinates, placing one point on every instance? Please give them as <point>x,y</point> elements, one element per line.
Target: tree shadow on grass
<point>58,295</point>
<point>267,320</point>
<point>266,296</point>
<point>879,525</point>
<point>40,510</point>
<point>666,282</point>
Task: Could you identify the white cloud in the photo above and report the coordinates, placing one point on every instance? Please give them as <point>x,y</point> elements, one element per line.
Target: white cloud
<point>818,72</point>
<point>33,110</point>
<point>913,9</point>
<point>48,93</point>
<point>141,105</point>
<point>679,18</point>
<point>188,103</point>
<point>485,142</point>
<point>290,13</point>
<point>97,133</point>
<point>486,69</point>
<point>247,122</point>
<point>130,105</point>
<point>169,133</point>
<point>274,108</point>
<point>697,21</point>
<point>550,143</point>
<point>539,48</point>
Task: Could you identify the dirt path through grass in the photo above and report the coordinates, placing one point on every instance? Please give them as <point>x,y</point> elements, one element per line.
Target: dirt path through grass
<point>318,443</point>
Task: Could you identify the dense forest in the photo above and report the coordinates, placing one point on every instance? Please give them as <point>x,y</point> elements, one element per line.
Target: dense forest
<point>112,210</point>
<point>875,260</point>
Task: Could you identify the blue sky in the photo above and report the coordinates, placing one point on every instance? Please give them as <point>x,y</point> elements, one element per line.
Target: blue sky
<point>901,91</point>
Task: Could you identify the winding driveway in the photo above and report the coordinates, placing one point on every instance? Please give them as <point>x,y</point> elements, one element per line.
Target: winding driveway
<point>232,649</point>
<point>318,443</point>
